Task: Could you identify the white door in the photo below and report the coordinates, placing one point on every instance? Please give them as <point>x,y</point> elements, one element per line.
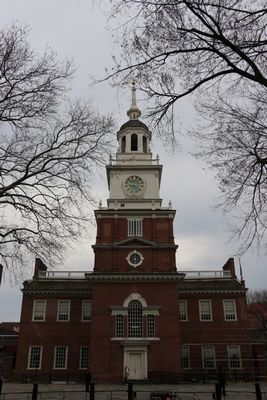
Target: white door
<point>136,370</point>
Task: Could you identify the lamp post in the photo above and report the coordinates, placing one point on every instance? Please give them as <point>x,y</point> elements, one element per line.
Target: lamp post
<point>35,383</point>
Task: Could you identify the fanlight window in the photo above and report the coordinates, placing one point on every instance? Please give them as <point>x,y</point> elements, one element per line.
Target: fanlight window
<point>135,319</point>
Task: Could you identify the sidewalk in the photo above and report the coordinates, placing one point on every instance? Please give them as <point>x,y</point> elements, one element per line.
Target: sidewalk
<point>235,391</point>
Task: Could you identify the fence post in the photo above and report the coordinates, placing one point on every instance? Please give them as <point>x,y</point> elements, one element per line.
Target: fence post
<point>130,391</point>
<point>35,391</point>
<point>92,391</point>
<point>1,385</point>
<point>218,391</point>
<point>87,383</point>
<point>258,391</point>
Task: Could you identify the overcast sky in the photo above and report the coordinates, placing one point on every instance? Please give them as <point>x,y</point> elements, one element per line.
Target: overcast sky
<point>76,29</point>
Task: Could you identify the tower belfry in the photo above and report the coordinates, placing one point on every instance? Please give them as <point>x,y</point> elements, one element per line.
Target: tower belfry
<point>134,175</point>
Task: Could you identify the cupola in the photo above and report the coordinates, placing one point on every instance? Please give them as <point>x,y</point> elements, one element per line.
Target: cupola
<point>134,136</point>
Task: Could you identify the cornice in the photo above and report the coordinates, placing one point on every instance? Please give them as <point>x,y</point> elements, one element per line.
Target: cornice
<point>126,167</point>
<point>155,246</point>
<point>123,213</point>
<point>53,292</point>
<point>135,276</point>
<point>213,291</point>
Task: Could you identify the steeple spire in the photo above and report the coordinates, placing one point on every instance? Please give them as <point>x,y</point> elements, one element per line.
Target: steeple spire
<point>133,112</point>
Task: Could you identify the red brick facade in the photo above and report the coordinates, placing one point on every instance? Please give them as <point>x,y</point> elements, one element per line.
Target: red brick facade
<point>135,311</point>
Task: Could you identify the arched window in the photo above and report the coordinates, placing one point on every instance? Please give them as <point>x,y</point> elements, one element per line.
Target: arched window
<point>134,142</point>
<point>135,319</point>
<point>123,144</point>
<point>144,144</point>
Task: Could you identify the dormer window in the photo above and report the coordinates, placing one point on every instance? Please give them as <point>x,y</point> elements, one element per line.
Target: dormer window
<point>134,142</point>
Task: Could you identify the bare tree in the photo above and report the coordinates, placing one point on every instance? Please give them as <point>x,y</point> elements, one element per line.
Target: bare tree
<point>257,307</point>
<point>234,144</point>
<point>215,52</point>
<point>177,47</point>
<point>49,151</point>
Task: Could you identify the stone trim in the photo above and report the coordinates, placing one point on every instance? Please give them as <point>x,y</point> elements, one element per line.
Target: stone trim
<point>214,291</point>
<point>135,276</point>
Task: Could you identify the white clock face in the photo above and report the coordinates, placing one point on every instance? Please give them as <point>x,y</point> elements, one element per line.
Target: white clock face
<point>134,185</point>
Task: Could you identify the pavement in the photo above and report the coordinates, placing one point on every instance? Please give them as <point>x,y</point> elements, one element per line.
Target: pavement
<point>234,391</point>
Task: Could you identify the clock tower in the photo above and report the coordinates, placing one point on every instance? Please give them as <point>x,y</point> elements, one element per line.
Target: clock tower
<point>135,324</point>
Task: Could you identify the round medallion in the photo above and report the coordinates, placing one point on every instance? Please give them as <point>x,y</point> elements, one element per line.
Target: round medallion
<point>134,185</point>
<point>135,258</point>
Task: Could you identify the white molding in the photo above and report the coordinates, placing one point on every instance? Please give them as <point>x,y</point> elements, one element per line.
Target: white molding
<point>134,296</point>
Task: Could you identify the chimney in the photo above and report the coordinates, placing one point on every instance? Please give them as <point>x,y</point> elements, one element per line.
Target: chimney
<point>230,266</point>
<point>39,266</point>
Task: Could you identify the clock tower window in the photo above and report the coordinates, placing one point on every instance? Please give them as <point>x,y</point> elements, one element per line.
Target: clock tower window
<point>134,142</point>
<point>144,144</point>
<point>123,144</point>
<point>135,227</point>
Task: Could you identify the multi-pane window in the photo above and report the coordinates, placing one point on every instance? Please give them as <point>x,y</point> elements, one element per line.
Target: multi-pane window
<point>84,357</point>
<point>60,357</point>
<point>34,357</point>
<point>234,357</point>
<point>208,357</point>
<point>134,227</point>
<point>86,310</point>
<point>183,316</point>
<point>205,312</point>
<point>150,326</point>
<point>229,308</point>
<point>38,313</point>
<point>63,311</point>
<point>185,357</point>
<point>135,319</point>
<point>119,326</point>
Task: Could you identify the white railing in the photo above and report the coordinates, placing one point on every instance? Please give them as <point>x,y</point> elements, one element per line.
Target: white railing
<point>135,161</point>
<point>82,274</point>
<point>63,274</point>
<point>207,274</point>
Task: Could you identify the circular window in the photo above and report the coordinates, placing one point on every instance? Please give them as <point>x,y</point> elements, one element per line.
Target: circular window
<point>135,258</point>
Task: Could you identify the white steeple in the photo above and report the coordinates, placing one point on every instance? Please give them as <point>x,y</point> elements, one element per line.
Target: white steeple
<point>134,112</point>
<point>133,175</point>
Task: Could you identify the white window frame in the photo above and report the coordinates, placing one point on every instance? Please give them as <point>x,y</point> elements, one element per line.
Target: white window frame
<point>183,313</point>
<point>135,319</point>
<point>30,357</point>
<point>135,227</point>
<point>119,326</point>
<point>34,310</point>
<point>208,359</point>
<point>82,355</point>
<point>187,357</point>
<point>202,313</point>
<point>86,310</point>
<point>58,311</point>
<point>55,357</point>
<point>231,366</point>
<point>230,313</point>
<point>150,326</point>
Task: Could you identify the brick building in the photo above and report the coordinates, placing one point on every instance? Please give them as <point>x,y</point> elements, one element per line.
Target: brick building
<point>135,311</point>
<point>9,332</point>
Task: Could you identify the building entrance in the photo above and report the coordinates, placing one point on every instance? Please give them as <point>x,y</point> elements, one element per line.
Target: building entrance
<point>136,361</point>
